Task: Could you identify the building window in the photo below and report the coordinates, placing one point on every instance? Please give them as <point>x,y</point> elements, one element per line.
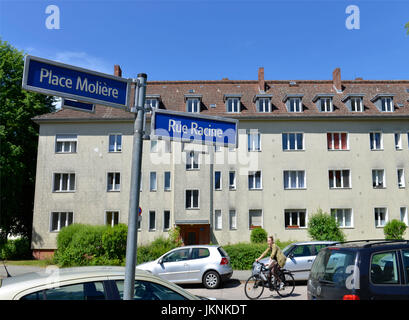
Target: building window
<point>376,140</point>
<point>66,143</point>
<point>115,143</point>
<point>154,146</point>
<point>398,141</point>
<point>152,220</point>
<point>401,178</point>
<point>339,179</point>
<point>166,220</point>
<point>255,219</point>
<point>217,180</point>
<point>64,182</point>
<point>232,180</point>
<point>263,105</point>
<point>218,220</point>
<point>167,183</point>
<point>193,105</point>
<point>60,220</point>
<point>232,220</point>
<point>381,217</point>
<point>295,105</point>
<point>337,141</point>
<point>295,219</point>
<point>114,181</point>
<point>378,178</point>
<point>192,160</point>
<point>294,179</point>
<point>387,104</point>
<point>343,217</point>
<point>111,218</point>
<point>233,105</point>
<point>255,180</point>
<point>192,199</point>
<point>326,105</point>
<point>151,103</point>
<point>356,104</point>
<point>153,184</point>
<point>293,141</point>
<point>404,215</point>
<point>253,141</point>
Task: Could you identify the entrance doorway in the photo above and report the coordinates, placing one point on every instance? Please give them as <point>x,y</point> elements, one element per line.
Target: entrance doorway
<point>195,233</point>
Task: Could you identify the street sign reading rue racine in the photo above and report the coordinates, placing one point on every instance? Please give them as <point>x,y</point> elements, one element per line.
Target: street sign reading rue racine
<point>58,79</point>
<point>193,127</point>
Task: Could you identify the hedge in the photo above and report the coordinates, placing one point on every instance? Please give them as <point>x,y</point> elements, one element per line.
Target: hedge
<point>15,249</point>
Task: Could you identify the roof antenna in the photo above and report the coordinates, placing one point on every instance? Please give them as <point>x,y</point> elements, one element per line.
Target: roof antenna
<point>8,274</point>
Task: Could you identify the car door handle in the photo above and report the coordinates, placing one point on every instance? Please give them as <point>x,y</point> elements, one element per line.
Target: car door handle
<point>310,260</point>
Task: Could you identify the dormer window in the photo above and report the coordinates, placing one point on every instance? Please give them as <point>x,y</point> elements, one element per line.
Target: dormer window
<point>193,103</point>
<point>152,101</point>
<point>324,102</point>
<point>293,102</point>
<point>384,102</point>
<point>354,102</point>
<point>263,102</point>
<point>233,103</point>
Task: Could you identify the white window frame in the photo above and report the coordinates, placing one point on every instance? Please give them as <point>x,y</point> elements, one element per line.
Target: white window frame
<point>357,103</point>
<point>372,140</point>
<point>220,182</point>
<point>296,103</point>
<point>167,188</point>
<point>232,219</point>
<point>326,104</point>
<point>342,179</point>
<point>60,182</point>
<point>192,161</point>
<point>331,147</point>
<point>164,220</point>
<point>115,187</point>
<point>398,141</point>
<point>404,217</point>
<point>67,141</point>
<point>263,105</point>
<point>253,142</point>
<point>287,143</point>
<point>193,105</point>
<point>154,146</point>
<point>287,180</point>
<point>387,104</point>
<point>152,103</point>
<point>150,228</point>
<point>59,226</point>
<point>252,175</point>
<point>192,199</point>
<point>261,218</point>
<point>218,219</point>
<point>378,178</point>
<point>153,181</point>
<point>297,223</point>
<point>113,218</point>
<point>344,211</point>
<point>235,105</point>
<point>232,184</point>
<point>117,148</point>
<point>378,220</point>
<point>400,172</point>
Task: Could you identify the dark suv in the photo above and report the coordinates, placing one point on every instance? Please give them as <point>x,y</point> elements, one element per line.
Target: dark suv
<point>361,270</point>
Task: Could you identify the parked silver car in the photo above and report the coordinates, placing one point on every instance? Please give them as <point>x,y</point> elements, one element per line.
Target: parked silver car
<point>88,283</point>
<point>205,264</point>
<point>300,256</point>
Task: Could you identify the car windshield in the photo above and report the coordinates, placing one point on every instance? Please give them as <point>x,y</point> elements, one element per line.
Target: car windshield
<point>288,249</point>
<point>332,266</point>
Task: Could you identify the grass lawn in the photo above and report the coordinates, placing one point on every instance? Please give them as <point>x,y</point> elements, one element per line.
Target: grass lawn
<point>31,263</point>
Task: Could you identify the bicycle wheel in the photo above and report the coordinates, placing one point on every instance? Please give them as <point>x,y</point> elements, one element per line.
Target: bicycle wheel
<point>289,285</point>
<point>254,287</point>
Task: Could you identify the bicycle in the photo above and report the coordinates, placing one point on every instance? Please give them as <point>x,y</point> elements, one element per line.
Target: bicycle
<point>255,285</point>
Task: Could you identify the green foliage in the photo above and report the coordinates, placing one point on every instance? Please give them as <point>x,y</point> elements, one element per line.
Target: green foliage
<point>15,249</point>
<point>258,235</point>
<point>323,227</point>
<point>394,229</point>
<point>407,28</point>
<point>19,138</point>
<point>174,236</point>
<point>114,241</point>
<point>154,250</point>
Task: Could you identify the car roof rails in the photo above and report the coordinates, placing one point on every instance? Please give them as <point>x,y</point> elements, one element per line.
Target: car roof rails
<point>372,242</point>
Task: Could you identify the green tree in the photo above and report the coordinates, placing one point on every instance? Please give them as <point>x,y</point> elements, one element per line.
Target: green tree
<point>394,230</point>
<point>18,144</point>
<point>323,227</point>
<point>407,28</point>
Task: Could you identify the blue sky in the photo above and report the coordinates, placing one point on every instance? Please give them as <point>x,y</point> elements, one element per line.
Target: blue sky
<point>210,40</point>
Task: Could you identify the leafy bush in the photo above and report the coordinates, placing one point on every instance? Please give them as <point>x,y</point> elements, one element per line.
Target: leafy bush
<point>16,249</point>
<point>323,227</point>
<point>394,229</point>
<point>114,242</point>
<point>154,250</point>
<point>258,235</point>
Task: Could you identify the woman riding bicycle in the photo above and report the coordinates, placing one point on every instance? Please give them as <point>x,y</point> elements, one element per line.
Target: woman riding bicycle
<point>277,259</point>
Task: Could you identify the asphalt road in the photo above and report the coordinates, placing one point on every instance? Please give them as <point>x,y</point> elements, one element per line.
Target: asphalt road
<point>232,289</point>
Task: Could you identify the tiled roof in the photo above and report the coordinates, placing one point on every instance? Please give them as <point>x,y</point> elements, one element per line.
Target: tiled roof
<point>173,97</point>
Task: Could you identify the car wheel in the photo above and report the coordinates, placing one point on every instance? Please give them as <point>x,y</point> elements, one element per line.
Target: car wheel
<point>211,280</point>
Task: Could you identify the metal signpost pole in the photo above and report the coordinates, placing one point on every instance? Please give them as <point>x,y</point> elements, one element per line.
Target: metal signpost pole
<point>132,238</point>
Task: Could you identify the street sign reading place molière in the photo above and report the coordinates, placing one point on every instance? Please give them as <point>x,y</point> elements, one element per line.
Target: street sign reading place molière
<point>184,126</point>
<point>58,79</point>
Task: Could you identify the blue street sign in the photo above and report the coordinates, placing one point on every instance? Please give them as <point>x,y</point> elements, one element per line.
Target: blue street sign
<point>78,105</point>
<point>58,79</point>
<point>183,126</point>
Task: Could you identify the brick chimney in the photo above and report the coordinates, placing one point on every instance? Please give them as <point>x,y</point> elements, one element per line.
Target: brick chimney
<point>261,82</point>
<point>336,79</point>
<point>117,71</point>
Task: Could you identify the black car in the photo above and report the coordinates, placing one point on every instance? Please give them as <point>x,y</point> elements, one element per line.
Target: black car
<point>361,270</point>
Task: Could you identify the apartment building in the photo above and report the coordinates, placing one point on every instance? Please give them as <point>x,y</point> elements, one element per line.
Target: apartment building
<point>337,145</point>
